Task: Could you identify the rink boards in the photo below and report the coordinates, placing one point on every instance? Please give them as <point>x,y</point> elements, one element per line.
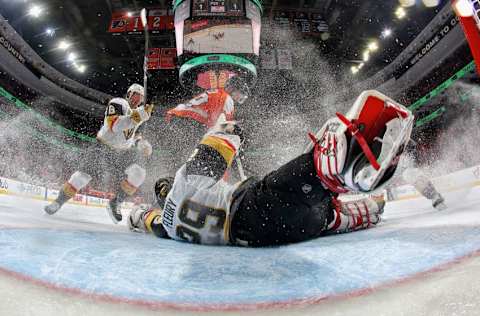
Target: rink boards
<point>14,187</point>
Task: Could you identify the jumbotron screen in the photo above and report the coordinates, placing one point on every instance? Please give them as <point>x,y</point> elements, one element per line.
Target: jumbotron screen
<point>218,36</point>
<point>218,7</point>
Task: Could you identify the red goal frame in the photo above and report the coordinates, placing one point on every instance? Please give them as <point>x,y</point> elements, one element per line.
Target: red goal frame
<point>471,27</point>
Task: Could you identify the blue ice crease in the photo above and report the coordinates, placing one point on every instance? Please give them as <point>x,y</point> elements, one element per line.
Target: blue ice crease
<point>141,267</point>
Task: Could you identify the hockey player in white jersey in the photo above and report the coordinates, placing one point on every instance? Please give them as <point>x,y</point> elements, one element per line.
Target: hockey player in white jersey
<point>118,153</point>
<point>358,152</point>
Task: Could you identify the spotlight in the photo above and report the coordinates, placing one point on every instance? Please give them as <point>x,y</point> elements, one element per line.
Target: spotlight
<point>354,69</point>
<point>81,68</point>
<point>129,14</point>
<point>463,8</point>
<point>50,32</point>
<point>400,13</point>
<point>431,3</point>
<point>406,3</point>
<point>373,46</point>
<point>64,45</point>
<point>72,57</point>
<point>386,33</point>
<point>35,11</point>
<point>366,55</point>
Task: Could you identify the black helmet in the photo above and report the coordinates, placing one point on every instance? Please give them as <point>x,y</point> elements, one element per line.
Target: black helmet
<point>239,84</point>
<point>162,188</point>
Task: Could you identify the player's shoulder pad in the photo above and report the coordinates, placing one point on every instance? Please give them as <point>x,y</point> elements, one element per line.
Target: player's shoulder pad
<point>117,106</point>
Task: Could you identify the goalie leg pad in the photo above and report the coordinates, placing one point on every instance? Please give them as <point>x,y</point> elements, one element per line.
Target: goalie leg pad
<point>355,215</point>
<point>360,151</point>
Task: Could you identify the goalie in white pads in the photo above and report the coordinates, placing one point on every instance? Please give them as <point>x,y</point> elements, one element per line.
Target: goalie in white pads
<point>358,152</point>
<point>118,154</point>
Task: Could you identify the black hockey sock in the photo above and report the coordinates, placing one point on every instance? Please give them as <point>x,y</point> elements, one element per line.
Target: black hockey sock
<point>62,198</point>
<point>65,194</point>
<point>120,195</point>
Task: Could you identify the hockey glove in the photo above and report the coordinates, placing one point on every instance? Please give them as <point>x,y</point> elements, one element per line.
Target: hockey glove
<point>149,108</point>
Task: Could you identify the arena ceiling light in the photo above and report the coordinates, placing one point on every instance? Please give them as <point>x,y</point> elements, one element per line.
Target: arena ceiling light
<point>463,8</point>
<point>400,13</point>
<point>35,11</point>
<point>407,3</point>
<point>72,57</point>
<point>50,31</point>
<point>64,45</point>
<point>81,68</point>
<point>129,14</point>
<point>366,55</point>
<point>373,46</point>
<point>386,33</point>
<point>431,3</point>
<point>354,69</point>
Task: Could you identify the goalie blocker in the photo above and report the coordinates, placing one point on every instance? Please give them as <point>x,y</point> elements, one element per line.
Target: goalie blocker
<point>356,152</point>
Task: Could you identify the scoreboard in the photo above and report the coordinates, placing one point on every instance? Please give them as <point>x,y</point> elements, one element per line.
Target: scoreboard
<point>159,20</point>
<point>218,8</point>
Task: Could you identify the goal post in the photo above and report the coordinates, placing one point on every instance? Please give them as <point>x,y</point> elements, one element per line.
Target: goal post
<point>468,12</point>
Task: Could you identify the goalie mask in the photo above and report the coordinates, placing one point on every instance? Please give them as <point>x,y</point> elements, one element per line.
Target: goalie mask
<point>361,150</point>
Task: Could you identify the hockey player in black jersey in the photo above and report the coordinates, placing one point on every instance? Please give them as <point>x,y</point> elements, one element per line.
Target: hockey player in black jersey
<point>358,152</point>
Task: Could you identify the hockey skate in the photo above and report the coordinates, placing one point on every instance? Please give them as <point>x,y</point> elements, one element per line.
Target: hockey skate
<point>439,202</point>
<point>113,210</point>
<point>52,208</point>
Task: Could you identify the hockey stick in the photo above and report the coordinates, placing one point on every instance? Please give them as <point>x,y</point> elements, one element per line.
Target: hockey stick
<point>143,17</point>
<point>241,172</point>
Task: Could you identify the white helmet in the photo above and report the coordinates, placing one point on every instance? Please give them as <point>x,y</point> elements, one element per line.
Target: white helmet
<point>135,88</point>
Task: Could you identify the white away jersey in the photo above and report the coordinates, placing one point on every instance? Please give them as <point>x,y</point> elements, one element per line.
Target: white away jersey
<point>197,209</point>
<point>120,124</point>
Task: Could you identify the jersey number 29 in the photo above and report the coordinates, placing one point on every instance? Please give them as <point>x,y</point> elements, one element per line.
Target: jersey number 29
<point>200,223</point>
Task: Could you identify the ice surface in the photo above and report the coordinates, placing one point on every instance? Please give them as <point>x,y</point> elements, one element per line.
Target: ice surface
<point>80,249</point>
